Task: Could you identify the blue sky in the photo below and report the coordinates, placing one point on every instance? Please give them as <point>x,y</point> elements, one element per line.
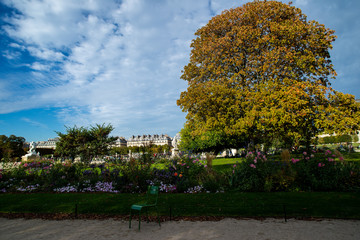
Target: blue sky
<point>66,63</point>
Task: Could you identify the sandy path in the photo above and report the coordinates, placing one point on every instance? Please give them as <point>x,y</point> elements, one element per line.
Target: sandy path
<point>21,229</point>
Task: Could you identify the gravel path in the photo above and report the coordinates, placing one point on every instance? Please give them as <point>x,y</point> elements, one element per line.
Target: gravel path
<point>22,229</point>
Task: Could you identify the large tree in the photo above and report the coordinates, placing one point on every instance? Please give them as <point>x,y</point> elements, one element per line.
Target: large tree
<point>261,72</point>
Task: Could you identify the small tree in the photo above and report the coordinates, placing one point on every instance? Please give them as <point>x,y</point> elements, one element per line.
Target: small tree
<point>85,143</point>
<point>100,140</point>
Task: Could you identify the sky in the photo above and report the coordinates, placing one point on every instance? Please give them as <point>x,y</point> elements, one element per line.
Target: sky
<point>86,62</point>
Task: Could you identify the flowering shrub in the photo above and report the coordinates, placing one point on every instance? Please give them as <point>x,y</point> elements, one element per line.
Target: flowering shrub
<point>181,173</point>
<point>250,174</point>
<point>323,171</point>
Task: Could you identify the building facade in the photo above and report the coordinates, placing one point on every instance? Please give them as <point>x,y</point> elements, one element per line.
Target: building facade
<point>147,140</point>
<point>120,142</point>
<point>49,144</point>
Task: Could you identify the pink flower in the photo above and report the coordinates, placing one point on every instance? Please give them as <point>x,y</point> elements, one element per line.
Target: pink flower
<point>234,166</point>
<point>194,161</point>
<point>321,165</point>
<point>252,165</point>
<point>341,158</point>
<point>330,159</point>
<point>305,153</point>
<point>294,160</point>
<point>255,161</point>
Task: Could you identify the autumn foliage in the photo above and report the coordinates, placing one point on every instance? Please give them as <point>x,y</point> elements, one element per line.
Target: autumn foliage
<point>260,72</point>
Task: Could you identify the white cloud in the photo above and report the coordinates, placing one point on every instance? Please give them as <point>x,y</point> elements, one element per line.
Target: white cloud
<point>34,123</point>
<point>40,67</point>
<point>11,54</point>
<point>117,63</point>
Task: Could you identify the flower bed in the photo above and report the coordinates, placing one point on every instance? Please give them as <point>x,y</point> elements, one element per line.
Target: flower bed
<point>324,171</point>
<point>133,176</point>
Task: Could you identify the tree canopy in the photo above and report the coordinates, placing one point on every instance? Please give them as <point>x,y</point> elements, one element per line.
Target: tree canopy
<point>259,72</point>
<point>11,148</point>
<point>85,142</point>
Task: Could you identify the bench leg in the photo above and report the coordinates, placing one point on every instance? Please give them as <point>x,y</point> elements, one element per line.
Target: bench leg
<point>130,219</point>
<point>139,219</point>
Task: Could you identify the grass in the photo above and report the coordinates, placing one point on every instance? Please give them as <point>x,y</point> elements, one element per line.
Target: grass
<point>351,156</point>
<point>226,161</point>
<point>235,204</point>
<point>225,164</point>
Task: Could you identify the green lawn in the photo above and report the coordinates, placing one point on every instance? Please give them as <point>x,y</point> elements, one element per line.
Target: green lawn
<point>226,161</point>
<point>232,204</point>
<point>225,164</point>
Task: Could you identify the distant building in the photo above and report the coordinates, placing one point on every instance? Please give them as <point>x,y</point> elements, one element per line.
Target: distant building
<point>120,142</point>
<point>146,140</point>
<point>50,143</point>
<point>140,140</point>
